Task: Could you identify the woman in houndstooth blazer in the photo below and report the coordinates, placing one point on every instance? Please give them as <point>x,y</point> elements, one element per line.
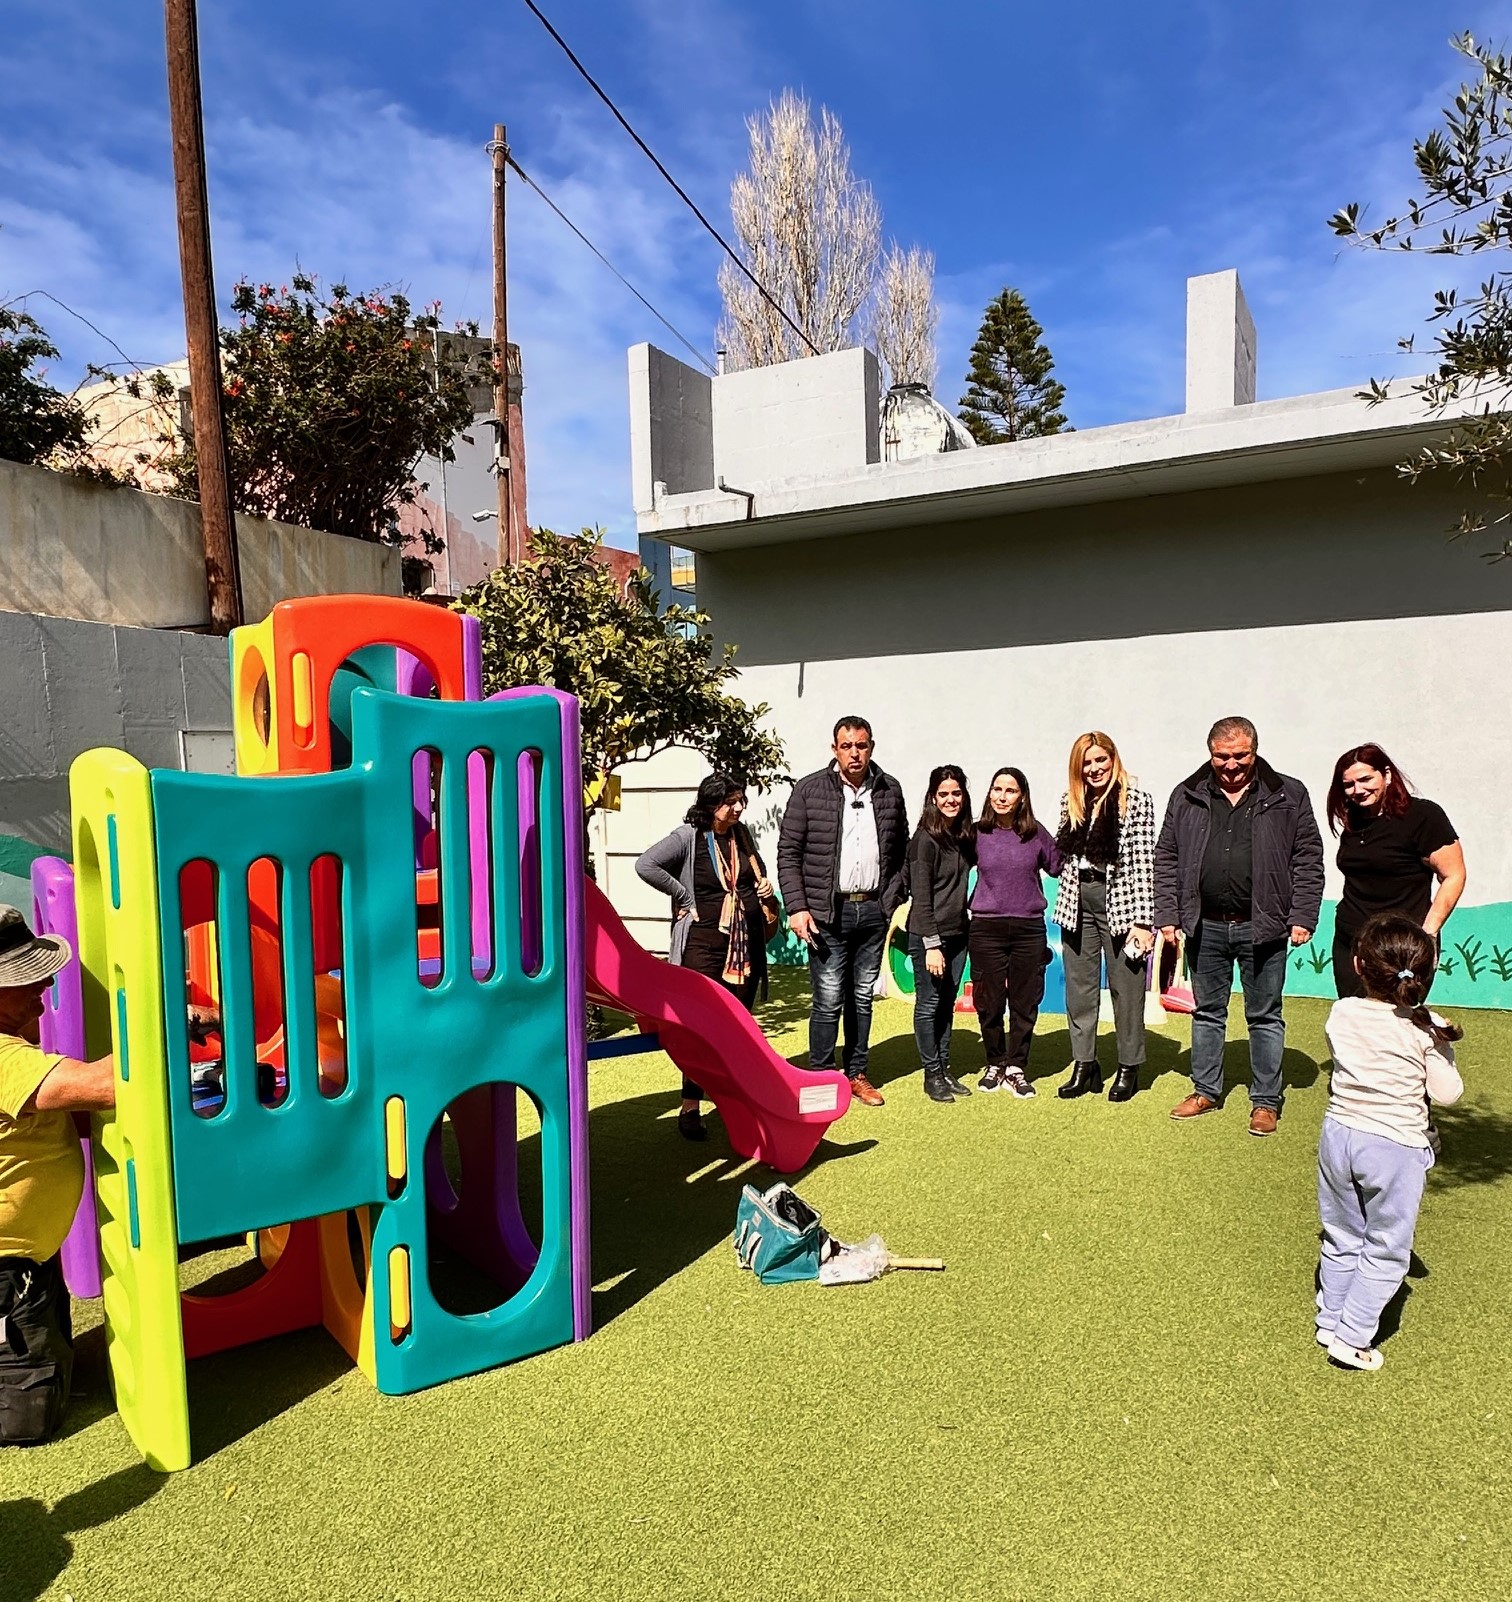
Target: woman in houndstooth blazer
<point>1106,909</point>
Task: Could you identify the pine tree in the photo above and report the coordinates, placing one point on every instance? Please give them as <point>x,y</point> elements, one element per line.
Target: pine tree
<point>1009,391</point>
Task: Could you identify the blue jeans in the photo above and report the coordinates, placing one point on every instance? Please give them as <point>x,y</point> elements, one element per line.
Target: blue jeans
<point>934,999</point>
<point>1212,951</point>
<point>844,962</point>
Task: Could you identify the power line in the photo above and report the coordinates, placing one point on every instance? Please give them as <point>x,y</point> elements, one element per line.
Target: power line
<point>686,342</point>
<point>64,306</point>
<point>687,199</point>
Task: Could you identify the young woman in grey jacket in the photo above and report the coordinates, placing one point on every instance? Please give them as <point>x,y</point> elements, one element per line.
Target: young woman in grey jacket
<point>711,870</point>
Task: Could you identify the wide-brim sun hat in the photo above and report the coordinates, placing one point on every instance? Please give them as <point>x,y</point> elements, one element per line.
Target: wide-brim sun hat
<point>27,958</point>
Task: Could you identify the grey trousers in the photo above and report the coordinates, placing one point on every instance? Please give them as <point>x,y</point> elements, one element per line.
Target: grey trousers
<point>1369,1190</point>
<point>1082,954</point>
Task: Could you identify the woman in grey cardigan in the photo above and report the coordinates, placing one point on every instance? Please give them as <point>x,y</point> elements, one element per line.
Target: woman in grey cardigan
<point>710,869</point>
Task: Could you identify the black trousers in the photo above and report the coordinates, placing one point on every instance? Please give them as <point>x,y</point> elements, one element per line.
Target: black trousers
<point>1346,980</point>
<point>705,954</point>
<point>1008,960</point>
<point>36,1349</point>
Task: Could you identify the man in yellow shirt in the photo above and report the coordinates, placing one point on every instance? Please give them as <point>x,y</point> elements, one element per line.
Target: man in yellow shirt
<point>41,1178</point>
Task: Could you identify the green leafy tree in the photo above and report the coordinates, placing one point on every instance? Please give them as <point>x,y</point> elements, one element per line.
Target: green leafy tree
<point>1009,391</point>
<point>645,679</point>
<point>330,399</point>
<point>38,423</point>
<point>1464,209</point>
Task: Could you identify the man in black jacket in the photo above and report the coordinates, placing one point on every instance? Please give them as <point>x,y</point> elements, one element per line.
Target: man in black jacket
<point>840,869</point>
<point>1239,868</point>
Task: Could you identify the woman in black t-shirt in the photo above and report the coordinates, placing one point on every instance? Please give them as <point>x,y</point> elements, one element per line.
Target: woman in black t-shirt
<point>1393,845</point>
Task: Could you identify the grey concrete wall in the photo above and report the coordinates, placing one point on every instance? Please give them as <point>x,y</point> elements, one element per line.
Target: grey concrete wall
<point>1330,610</point>
<point>671,427</point>
<point>70,548</point>
<point>71,686</point>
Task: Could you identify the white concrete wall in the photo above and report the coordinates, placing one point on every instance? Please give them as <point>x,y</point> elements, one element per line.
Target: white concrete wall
<point>1220,343</point>
<point>70,548</point>
<point>797,419</point>
<point>654,796</point>
<point>671,427</point>
<point>1330,611</point>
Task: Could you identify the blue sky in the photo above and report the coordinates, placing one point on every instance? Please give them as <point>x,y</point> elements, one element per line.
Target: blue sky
<point>1094,157</point>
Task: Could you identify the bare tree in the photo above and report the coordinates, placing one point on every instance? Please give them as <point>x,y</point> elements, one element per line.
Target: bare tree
<point>811,232</point>
<point>905,318</point>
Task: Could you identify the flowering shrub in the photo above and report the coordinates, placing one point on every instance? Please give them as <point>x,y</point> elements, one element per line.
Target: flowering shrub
<point>331,398</point>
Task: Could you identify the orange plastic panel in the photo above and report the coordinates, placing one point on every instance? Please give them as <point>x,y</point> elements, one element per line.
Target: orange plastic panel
<point>313,636</point>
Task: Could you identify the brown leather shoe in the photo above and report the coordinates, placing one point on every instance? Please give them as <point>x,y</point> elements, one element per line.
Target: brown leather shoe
<point>866,1092</point>
<point>1263,1121</point>
<point>1193,1107</point>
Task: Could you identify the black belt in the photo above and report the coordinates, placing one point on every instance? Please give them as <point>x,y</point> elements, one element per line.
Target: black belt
<point>1085,874</point>
<point>1229,917</point>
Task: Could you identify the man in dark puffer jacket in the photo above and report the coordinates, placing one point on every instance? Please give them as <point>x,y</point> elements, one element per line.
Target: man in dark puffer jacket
<point>840,869</point>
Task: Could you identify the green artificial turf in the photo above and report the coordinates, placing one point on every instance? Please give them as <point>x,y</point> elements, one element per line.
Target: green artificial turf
<point>1112,1393</point>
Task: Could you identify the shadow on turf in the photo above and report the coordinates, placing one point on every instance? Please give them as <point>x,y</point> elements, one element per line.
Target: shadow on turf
<point>1477,1146</point>
<point>34,1538</point>
<point>1050,1058</point>
<point>661,1202</point>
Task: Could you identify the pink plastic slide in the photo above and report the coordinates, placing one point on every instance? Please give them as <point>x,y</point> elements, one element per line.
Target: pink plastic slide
<point>771,1110</point>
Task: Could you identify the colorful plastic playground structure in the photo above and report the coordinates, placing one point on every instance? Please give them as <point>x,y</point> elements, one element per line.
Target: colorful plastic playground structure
<point>387,913</point>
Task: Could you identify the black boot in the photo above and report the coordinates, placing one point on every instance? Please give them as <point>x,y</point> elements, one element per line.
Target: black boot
<point>1125,1084</point>
<point>1086,1079</point>
<point>952,1084</point>
<point>936,1087</point>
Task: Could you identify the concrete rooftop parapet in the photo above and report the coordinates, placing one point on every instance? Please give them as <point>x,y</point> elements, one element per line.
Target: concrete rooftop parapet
<point>1220,343</point>
<point>690,434</point>
<point>1333,431</point>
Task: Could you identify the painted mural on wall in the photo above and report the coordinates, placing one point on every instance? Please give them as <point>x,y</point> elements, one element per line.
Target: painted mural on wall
<point>1475,961</point>
<point>1475,965</point>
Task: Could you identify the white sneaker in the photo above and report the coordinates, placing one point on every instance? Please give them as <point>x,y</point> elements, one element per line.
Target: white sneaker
<point>1018,1084</point>
<point>1324,1337</point>
<point>1354,1356</point>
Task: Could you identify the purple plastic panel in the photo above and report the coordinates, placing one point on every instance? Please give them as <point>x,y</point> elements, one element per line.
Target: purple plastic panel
<point>472,659</point>
<point>532,931</point>
<point>53,912</point>
<point>577,990</point>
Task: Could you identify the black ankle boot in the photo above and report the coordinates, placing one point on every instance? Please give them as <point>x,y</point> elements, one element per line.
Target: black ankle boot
<point>1125,1084</point>
<point>1086,1079</point>
<point>936,1086</point>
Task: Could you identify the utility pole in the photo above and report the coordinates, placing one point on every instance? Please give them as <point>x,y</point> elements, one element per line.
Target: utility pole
<point>498,149</point>
<point>186,116</point>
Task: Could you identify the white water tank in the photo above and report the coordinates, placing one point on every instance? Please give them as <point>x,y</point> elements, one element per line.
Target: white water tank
<point>915,424</point>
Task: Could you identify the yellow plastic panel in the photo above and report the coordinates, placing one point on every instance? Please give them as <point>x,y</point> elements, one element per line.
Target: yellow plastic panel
<point>254,699</point>
<point>115,886</point>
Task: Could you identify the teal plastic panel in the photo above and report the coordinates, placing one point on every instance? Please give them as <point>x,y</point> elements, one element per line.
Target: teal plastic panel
<point>438,1043</point>
<point>252,1166</point>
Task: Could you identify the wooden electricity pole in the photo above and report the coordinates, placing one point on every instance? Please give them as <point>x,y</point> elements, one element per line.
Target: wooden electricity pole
<point>498,148</point>
<point>217,518</point>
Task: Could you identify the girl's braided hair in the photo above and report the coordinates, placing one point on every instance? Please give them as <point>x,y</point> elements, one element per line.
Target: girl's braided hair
<point>1397,961</point>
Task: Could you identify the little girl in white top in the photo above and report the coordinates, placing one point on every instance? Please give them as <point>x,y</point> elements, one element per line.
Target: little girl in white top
<point>1390,1056</point>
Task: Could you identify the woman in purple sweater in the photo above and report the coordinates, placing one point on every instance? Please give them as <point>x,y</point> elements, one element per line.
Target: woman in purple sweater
<point>1008,949</point>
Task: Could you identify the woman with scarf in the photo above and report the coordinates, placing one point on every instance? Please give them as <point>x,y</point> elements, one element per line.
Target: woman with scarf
<point>1106,910</point>
<point>711,870</point>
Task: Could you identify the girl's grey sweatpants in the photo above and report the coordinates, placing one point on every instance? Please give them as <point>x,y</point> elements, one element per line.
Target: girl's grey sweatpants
<point>1369,1189</point>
